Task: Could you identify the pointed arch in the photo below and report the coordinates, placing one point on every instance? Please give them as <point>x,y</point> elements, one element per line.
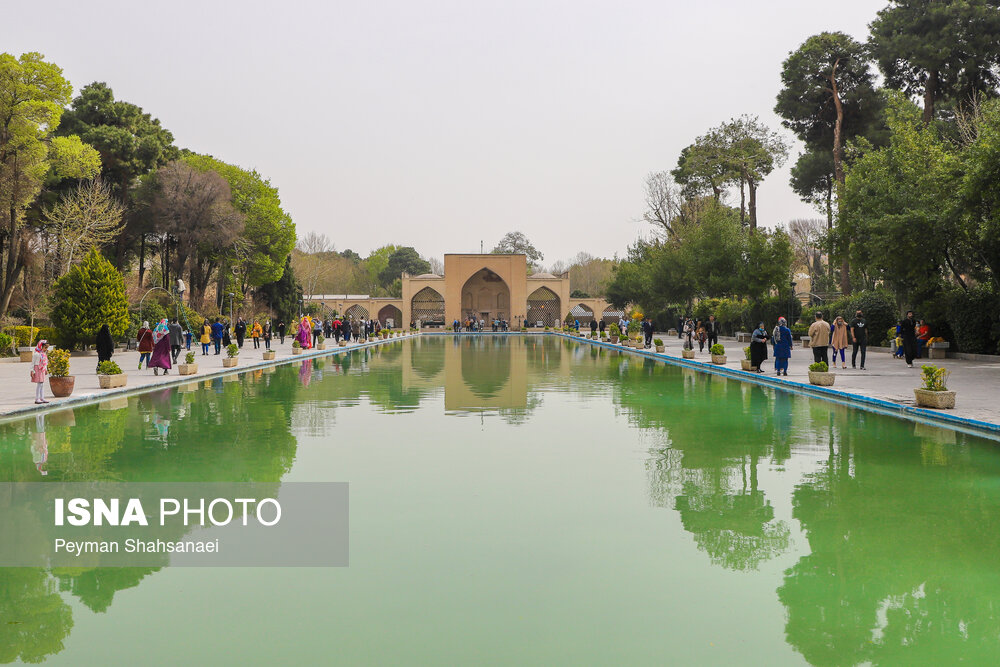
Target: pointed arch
<point>427,305</point>
<point>543,306</point>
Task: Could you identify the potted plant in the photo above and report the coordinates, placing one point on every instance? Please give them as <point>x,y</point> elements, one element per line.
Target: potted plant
<point>60,381</point>
<point>934,393</point>
<point>615,333</point>
<point>188,367</point>
<point>745,363</point>
<point>385,333</point>
<point>637,342</point>
<point>110,375</point>
<point>718,352</point>
<point>819,374</point>
<point>232,356</point>
<point>268,355</point>
<point>320,342</point>
<point>296,347</point>
<point>341,343</point>
<point>658,342</point>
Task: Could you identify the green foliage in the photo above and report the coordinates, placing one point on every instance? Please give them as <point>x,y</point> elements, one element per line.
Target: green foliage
<point>296,344</point>
<point>518,243</point>
<point>108,368</point>
<point>268,234</point>
<point>657,341</point>
<point>25,336</point>
<point>578,294</point>
<point>5,343</point>
<point>934,378</point>
<point>878,306</point>
<point>91,295</point>
<point>189,358</point>
<point>718,349</point>
<point>58,362</point>
<point>819,367</point>
<point>283,295</point>
<point>973,316</point>
<point>615,330</point>
<point>232,350</point>
<point>403,260</point>
<point>746,352</point>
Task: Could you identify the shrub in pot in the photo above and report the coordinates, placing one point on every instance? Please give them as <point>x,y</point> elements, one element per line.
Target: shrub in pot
<point>268,355</point>
<point>232,356</point>
<point>934,393</point>
<point>718,352</point>
<point>296,347</point>
<point>189,367</point>
<point>320,342</point>
<point>819,374</point>
<point>110,375</point>
<point>60,381</point>
<point>745,363</point>
<point>658,342</point>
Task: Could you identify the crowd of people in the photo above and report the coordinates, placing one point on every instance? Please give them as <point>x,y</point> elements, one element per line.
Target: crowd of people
<point>474,324</point>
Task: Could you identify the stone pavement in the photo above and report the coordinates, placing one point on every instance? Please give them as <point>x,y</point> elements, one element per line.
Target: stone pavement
<point>17,393</point>
<point>977,383</point>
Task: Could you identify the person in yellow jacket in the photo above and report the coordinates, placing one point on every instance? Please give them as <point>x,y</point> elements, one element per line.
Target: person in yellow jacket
<point>256,332</point>
<point>206,337</point>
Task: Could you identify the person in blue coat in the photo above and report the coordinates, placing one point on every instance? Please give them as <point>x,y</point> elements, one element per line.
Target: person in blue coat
<point>781,339</point>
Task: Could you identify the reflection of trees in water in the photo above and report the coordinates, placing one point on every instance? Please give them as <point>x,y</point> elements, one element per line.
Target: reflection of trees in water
<point>902,568</point>
<point>34,619</point>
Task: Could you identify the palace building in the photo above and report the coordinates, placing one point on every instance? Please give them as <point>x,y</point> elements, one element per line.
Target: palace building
<point>483,287</point>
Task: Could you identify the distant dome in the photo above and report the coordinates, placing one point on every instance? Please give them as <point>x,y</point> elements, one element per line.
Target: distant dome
<point>428,275</point>
<point>542,275</point>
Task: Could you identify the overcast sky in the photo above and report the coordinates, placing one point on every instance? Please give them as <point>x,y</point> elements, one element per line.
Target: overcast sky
<point>439,124</point>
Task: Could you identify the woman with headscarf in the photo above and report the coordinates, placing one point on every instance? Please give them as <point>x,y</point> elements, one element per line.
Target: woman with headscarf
<point>781,339</point>
<point>304,334</point>
<point>226,340</point>
<point>40,369</point>
<point>758,347</point>
<point>145,339</point>
<point>838,341</point>
<point>161,349</point>
<point>105,344</point>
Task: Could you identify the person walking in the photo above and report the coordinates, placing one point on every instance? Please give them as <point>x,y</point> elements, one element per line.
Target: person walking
<point>256,331</point>
<point>241,332</point>
<point>647,330</point>
<point>161,349</point>
<point>267,335</point>
<point>145,338</point>
<point>699,331</point>
<point>176,339</point>
<point>303,336</point>
<point>688,333</point>
<point>337,324</point>
<point>908,332</point>
<point>317,331</point>
<point>105,344</point>
<point>859,337</point>
<point>40,369</point>
<point>711,331</point>
<point>781,341</point>
<point>346,326</point>
<point>226,340</point>
<point>601,326</point>
<point>838,340</point>
<point>281,330</point>
<point>819,339</point>
<point>593,328</point>
<point>206,337</point>
<point>758,348</point>
<point>356,328</point>
<point>680,328</point>
<point>217,333</point>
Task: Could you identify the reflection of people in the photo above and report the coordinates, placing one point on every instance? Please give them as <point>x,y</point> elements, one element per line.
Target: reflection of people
<point>40,369</point>
<point>39,445</point>
<point>305,372</point>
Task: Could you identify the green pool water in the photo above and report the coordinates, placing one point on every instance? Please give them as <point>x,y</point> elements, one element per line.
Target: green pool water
<point>533,500</point>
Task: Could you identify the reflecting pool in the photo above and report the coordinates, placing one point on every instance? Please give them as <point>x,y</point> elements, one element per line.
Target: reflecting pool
<point>532,500</point>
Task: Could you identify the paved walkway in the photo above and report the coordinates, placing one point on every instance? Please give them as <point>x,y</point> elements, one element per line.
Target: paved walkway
<point>17,393</point>
<point>885,378</point>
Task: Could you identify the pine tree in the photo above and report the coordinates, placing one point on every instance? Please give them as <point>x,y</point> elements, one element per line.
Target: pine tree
<point>91,295</point>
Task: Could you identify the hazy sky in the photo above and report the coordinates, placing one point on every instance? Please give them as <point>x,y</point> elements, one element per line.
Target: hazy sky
<point>438,124</point>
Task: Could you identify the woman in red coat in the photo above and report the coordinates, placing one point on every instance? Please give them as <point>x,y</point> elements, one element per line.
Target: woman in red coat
<point>145,338</point>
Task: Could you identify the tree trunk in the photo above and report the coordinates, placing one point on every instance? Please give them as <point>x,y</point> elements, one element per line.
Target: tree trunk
<point>743,200</point>
<point>838,170</point>
<point>142,257</point>
<point>752,186</point>
<point>930,93</point>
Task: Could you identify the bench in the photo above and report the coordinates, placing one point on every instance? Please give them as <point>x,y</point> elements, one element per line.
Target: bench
<point>742,337</point>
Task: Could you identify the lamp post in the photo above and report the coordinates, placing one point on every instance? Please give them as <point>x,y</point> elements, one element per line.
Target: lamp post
<point>791,302</point>
<point>231,295</point>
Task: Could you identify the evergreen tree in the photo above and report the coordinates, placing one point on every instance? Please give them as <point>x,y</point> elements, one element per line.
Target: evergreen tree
<point>91,295</point>
<point>284,295</point>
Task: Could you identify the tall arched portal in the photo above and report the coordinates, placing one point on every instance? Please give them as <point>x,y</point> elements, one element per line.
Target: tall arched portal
<point>485,296</point>
<point>392,317</point>
<point>427,305</point>
<point>543,306</point>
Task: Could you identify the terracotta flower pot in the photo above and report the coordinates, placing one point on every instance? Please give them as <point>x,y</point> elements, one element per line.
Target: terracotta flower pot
<point>745,365</point>
<point>687,354</point>
<point>268,355</point>
<point>925,398</point>
<point>296,350</point>
<point>660,348</point>
<point>187,369</point>
<point>718,359</point>
<point>822,379</point>
<point>230,362</point>
<point>61,386</point>
<point>342,343</point>
<point>320,346</point>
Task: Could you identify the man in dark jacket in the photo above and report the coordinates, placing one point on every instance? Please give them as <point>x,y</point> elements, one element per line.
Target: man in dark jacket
<point>647,330</point>
<point>908,332</point>
<point>241,331</point>
<point>176,338</point>
<point>281,330</point>
<point>859,336</point>
<point>711,331</point>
